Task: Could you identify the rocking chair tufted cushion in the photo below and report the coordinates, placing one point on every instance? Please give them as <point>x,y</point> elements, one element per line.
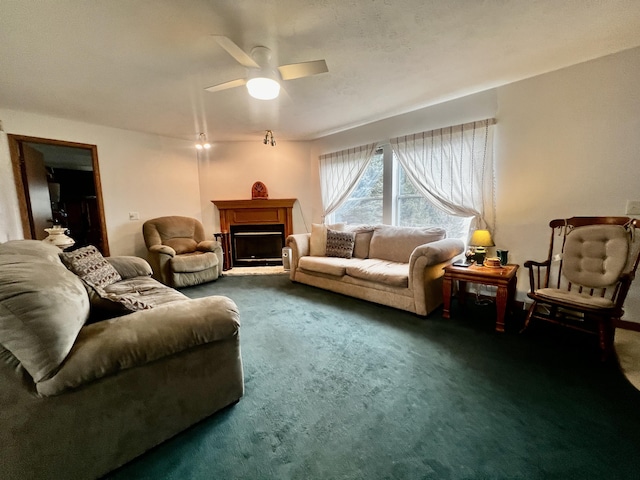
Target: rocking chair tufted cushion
<point>595,255</point>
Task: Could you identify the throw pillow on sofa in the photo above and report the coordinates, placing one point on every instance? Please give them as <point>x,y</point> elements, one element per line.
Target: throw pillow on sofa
<point>89,264</point>
<point>98,275</point>
<point>340,244</point>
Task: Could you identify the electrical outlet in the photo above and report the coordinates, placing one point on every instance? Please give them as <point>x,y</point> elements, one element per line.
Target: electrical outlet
<point>633,207</point>
<point>134,216</point>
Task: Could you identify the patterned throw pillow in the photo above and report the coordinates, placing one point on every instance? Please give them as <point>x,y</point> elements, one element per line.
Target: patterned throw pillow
<point>340,244</point>
<point>89,264</point>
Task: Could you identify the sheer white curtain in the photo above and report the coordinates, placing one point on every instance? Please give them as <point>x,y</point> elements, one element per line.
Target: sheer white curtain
<point>453,168</point>
<point>339,174</point>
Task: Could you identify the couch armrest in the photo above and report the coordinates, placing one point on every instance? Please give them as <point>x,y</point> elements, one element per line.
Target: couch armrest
<point>165,249</point>
<point>426,270</point>
<point>299,244</point>
<point>438,251</point>
<point>108,347</point>
<point>130,267</point>
<point>215,247</point>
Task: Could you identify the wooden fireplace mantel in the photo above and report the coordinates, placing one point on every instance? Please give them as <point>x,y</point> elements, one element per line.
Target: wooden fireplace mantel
<point>253,212</point>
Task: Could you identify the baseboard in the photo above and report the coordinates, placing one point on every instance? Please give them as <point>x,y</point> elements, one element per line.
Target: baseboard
<point>627,325</point>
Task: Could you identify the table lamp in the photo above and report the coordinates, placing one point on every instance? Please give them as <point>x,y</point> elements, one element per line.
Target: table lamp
<point>479,241</point>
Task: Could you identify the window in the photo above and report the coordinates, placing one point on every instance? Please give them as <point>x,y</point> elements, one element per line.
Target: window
<point>365,204</point>
<point>384,194</point>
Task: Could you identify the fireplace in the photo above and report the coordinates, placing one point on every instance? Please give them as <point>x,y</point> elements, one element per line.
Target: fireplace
<point>257,220</point>
<point>254,245</point>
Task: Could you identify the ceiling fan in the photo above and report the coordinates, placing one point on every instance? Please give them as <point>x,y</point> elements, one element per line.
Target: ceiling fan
<point>263,79</point>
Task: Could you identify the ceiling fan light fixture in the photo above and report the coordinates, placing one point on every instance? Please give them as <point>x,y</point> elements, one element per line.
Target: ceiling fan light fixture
<point>263,88</point>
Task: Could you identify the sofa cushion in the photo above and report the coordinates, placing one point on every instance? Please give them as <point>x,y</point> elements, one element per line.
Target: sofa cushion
<point>380,271</point>
<point>397,243</point>
<point>362,240</point>
<point>600,303</point>
<point>43,306</point>
<point>181,245</point>
<point>193,262</point>
<point>335,266</point>
<point>340,244</point>
<point>147,290</point>
<point>89,264</point>
<point>130,295</point>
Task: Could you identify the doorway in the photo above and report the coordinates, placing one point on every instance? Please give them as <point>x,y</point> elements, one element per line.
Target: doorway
<point>58,183</point>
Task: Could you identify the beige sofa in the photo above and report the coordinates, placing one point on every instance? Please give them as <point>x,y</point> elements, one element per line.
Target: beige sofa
<point>396,266</point>
<point>78,399</point>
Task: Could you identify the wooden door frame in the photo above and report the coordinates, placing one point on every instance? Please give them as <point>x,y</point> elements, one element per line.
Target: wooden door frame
<point>19,175</point>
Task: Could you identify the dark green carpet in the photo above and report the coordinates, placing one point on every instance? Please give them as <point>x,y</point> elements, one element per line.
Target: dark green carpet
<point>338,388</point>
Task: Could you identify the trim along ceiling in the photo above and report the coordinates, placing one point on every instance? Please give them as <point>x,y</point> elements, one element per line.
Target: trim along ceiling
<point>143,65</point>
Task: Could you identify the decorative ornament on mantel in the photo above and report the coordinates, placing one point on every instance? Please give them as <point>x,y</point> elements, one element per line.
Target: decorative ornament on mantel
<point>58,237</point>
<point>259,191</point>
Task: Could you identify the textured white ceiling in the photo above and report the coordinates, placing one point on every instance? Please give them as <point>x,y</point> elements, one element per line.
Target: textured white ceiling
<point>143,65</point>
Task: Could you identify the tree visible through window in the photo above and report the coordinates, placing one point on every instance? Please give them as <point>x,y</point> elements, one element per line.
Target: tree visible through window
<point>413,210</point>
<point>366,203</point>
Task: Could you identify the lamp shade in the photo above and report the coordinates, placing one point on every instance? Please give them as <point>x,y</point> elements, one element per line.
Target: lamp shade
<point>481,238</point>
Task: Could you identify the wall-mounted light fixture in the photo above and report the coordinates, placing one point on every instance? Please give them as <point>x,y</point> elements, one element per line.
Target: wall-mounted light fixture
<point>269,139</point>
<point>202,142</point>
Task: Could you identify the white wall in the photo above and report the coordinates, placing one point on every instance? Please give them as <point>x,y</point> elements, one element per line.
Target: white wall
<point>567,144</point>
<point>229,169</point>
<point>148,174</point>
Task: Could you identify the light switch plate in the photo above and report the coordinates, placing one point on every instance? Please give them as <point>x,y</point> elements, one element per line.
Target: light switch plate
<point>134,216</point>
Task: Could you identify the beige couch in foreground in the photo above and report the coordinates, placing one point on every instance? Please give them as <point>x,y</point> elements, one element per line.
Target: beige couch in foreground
<point>79,399</point>
<point>396,266</point>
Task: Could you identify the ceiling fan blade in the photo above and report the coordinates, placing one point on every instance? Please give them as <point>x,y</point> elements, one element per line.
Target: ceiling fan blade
<point>223,86</point>
<point>304,69</point>
<point>236,52</point>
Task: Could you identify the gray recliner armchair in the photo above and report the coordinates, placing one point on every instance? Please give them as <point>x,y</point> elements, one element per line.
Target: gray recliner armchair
<point>179,252</point>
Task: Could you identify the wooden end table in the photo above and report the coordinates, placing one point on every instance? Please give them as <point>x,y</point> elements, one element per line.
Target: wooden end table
<point>503,277</point>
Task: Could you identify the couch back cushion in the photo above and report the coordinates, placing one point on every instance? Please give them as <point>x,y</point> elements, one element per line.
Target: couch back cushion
<point>397,243</point>
<point>182,245</point>
<point>43,306</point>
<point>318,239</point>
<point>362,239</point>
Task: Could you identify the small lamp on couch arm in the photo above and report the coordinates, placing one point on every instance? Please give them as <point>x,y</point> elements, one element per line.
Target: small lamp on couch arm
<point>479,241</point>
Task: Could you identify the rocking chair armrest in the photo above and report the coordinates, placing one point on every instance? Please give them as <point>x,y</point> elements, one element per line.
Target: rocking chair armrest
<point>535,269</point>
<point>533,263</point>
<point>624,282</point>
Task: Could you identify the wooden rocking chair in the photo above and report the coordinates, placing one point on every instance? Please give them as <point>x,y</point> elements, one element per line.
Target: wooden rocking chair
<point>586,277</point>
